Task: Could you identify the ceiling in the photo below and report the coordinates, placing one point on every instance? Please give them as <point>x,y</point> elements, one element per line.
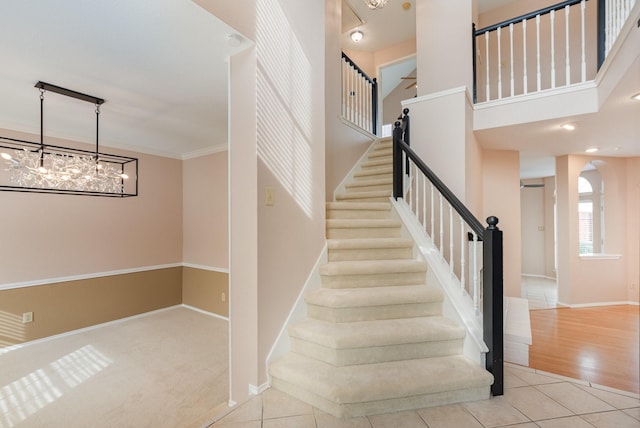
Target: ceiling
<point>160,65</point>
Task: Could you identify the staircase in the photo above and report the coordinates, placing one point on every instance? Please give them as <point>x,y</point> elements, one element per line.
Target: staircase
<point>375,340</point>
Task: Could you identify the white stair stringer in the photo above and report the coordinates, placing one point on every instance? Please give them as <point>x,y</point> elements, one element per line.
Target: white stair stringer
<point>375,339</point>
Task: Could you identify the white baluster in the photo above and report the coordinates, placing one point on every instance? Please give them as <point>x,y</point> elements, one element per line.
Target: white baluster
<point>417,192</point>
<point>553,48</point>
<point>524,56</point>
<point>451,259</point>
<point>499,65</point>
<point>583,6</point>
<point>511,55</point>
<point>566,31</point>
<point>424,203</point>
<point>538,75</point>
<point>463,250</point>
<point>441,221</point>
<point>433,213</point>
<point>486,50</point>
<point>476,287</point>
<point>344,90</point>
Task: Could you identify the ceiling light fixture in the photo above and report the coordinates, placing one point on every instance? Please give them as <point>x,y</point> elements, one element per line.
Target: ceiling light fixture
<point>568,126</point>
<point>636,97</point>
<point>45,168</point>
<point>375,4</point>
<point>592,150</point>
<point>357,35</point>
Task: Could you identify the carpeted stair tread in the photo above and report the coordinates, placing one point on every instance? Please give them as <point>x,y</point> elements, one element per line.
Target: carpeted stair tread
<point>373,196</point>
<point>368,243</point>
<point>387,151</point>
<point>370,267</point>
<point>343,223</point>
<point>374,163</point>
<point>365,334</point>
<point>374,296</point>
<point>373,171</point>
<point>369,206</point>
<point>380,381</point>
<point>369,182</point>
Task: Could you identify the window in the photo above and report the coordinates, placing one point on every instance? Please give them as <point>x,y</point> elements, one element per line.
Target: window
<point>590,212</point>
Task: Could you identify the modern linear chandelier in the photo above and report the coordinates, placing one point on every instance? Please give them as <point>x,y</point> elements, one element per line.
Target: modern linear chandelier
<point>375,4</point>
<point>45,168</point>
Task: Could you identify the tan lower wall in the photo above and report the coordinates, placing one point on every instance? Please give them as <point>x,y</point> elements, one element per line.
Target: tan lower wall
<point>67,306</point>
<point>204,289</point>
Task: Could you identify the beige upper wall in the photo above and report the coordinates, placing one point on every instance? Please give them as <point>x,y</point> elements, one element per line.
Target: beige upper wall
<point>205,211</point>
<point>291,159</point>
<point>50,236</point>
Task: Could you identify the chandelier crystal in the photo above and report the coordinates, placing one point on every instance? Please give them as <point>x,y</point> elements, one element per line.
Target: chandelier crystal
<point>45,168</point>
<point>375,4</point>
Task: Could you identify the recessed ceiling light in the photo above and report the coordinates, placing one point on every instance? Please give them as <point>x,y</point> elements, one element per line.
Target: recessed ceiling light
<point>357,35</point>
<point>568,126</point>
<point>636,97</point>
<point>592,150</point>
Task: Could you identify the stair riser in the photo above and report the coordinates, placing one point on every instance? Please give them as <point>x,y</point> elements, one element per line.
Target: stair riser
<point>371,254</point>
<point>377,163</point>
<point>373,176</point>
<point>365,232</point>
<point>380,153</point>
<point>352,410</point>
<point>370,313</point>
<point>358,214</point>
<point>376,354</point>
<point>354,197</point>
<point>369,188</point>
<point>373,280</point>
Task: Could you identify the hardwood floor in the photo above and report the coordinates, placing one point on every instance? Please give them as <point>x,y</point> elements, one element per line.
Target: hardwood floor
<point>599,345</point>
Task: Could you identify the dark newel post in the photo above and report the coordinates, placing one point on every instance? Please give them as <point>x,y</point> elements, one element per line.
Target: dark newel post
<point>374,106</point>
<point>473,47</point>
<point>492,303</point>
<point>602,34</point>
<point>397,161</point>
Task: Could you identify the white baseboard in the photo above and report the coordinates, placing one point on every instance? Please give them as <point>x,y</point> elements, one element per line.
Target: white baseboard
<point>596,304</point>
<point>202,311</point>
<point>255,390</point>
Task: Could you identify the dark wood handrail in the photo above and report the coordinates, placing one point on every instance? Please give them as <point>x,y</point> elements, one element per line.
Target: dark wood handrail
<point>354,65</point>
<point>529,15</point>
<point>460,208</point>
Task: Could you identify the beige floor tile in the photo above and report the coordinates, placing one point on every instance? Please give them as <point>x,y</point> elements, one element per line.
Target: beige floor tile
<point>634,413</point>
<point>534,404</point>
<point>573,398</point>
<point>248,411</point>
<point>495,412</point>
<point>569,422</point>
<point>301,421</point>
<point>532,378</point>
<point>617,419</point>
<point>618,401</point>
<point>277,404</point>
<point>511,379</point>
<point>397,420</point>
<point>449,416</point>
<point>325,420</point>
<point>245,424</point>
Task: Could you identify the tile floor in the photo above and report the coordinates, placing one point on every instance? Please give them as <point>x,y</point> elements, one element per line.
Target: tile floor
<point>542,293</point>
<point>532,399</point>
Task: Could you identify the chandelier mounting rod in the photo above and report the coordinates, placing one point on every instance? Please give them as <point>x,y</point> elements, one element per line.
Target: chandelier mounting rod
<point>69,93</point>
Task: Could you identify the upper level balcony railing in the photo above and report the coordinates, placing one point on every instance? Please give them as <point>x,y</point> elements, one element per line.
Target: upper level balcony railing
<point>359,96</point>
<point>558,46</point>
